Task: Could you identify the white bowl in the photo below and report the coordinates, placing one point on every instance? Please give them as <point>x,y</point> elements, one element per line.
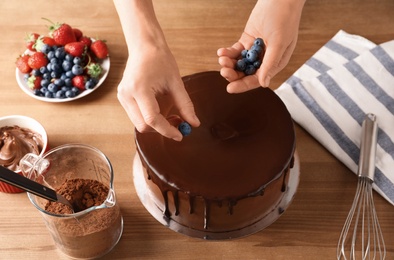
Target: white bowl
<point>23,122</point>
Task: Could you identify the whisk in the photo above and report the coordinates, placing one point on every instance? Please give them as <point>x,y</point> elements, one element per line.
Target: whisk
<point>361,236</point>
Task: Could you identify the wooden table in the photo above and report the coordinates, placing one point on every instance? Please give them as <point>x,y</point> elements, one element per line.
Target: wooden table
<point>309,229</point>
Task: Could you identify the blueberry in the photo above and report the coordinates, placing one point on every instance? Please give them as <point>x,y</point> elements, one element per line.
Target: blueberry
<point>77,61</point>
<point>46,48</point>
<point>90,83</point>
<point>60,94</point>
<point>185,128</point>
<point>68,82</point>
<point>60,53</point>
<point>43,90</point>
<point>47,75</point>
<point>49,67</point>
<point>77,69</point>
<point>257,48</point>
<point>259,42</point>
<point>55,74</point>
<point>48,94</point>
<point>37,92</point>
<point>243,53</point>
<point>67,65</point>
<point>75,90</point>
<point>45,82</point>
<point>69,74</point>
<point>63,76</point>
<point>54,60</point>
<point>43,70</point>
<point>36,72</point>
<point>69,57</point>
<point>58,82</point>
<point>252,56</point>
<point>51,55</point>
<point>241,65</point>
<point>70,94</point>
<point>56,67</point>
<point>257,64</point>
<point>53,88</point>
<point>250,69</point>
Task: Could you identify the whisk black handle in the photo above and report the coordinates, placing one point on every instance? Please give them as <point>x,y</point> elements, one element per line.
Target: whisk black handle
<point>366,166</point>
<point>17,180</point>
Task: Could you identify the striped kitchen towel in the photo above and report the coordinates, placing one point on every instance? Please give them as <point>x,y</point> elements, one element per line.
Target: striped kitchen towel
<point>332,92</point>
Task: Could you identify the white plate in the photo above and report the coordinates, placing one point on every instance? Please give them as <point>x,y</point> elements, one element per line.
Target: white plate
<point>105,65</point>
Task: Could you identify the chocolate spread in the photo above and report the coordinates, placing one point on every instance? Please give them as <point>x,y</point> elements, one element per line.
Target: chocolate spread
<point>15,142</point>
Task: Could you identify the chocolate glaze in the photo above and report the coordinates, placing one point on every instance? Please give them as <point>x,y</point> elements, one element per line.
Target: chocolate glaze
<point>245,142</point>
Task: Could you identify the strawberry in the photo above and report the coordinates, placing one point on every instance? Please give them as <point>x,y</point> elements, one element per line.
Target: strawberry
<point>86,40</point>
<point>34,82</point>
<point>48,40</point>
<point>79,82</point>
<point>99,49</point>
<point>37,60</point>
<point>76,49</point>
<point>94,70</point>
<point>62,33</point>
<point>22,64</point>
<point>31,40</point>
<point>77,33</point>
<point>42,40</point>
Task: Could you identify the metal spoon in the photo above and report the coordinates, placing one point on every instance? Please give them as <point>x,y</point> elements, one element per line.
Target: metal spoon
<point>17,180</point>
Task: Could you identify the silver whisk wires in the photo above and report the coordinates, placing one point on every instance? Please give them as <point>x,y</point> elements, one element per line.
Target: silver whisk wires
<point>361,236</point>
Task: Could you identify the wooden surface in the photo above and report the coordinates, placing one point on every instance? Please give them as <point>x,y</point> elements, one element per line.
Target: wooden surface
<point>309,229</point>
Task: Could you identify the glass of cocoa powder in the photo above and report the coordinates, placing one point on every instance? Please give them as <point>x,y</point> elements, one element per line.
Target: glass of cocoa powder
<point>84,176</point>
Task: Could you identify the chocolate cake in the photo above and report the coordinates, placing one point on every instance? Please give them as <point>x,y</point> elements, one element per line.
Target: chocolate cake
<point>230,173</point>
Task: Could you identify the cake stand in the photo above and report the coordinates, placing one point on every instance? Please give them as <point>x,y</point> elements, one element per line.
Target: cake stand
<point>143,194</point>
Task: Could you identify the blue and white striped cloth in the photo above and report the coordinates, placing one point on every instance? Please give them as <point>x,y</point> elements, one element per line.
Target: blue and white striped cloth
<point>332,92</point>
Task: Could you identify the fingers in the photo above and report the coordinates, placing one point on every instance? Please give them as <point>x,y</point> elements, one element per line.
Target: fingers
<point>238,81</point>
<point>243,84</point>
<point>274,60</point>
<point>227,59</point>
<point>146,117</point>
<point>231,52</point>
<point>151,115</point>
<point>185,106</point>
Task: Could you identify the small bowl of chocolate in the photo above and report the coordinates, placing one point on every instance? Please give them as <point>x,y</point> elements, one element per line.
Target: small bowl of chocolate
<point>19,135</point>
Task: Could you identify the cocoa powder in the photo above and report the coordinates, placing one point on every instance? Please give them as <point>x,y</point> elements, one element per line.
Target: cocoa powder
<point>92,234</point>
<point>81,193</point>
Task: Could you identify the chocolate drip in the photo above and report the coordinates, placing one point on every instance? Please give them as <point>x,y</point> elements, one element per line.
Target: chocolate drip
<point>176,202</point>
<point>191,204</point>
<point>207,210</point>
<point>284,183</point>
<point>292,162</point>
<point>231,204</point>
<point>166,212</point>
<point>207,202</point>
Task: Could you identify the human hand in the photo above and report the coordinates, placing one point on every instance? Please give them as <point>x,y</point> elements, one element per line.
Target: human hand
<point>151,71</point>
<point>276,22</point>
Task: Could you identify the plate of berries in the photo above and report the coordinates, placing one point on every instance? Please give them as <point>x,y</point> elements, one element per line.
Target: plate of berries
<point>62,66</point>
